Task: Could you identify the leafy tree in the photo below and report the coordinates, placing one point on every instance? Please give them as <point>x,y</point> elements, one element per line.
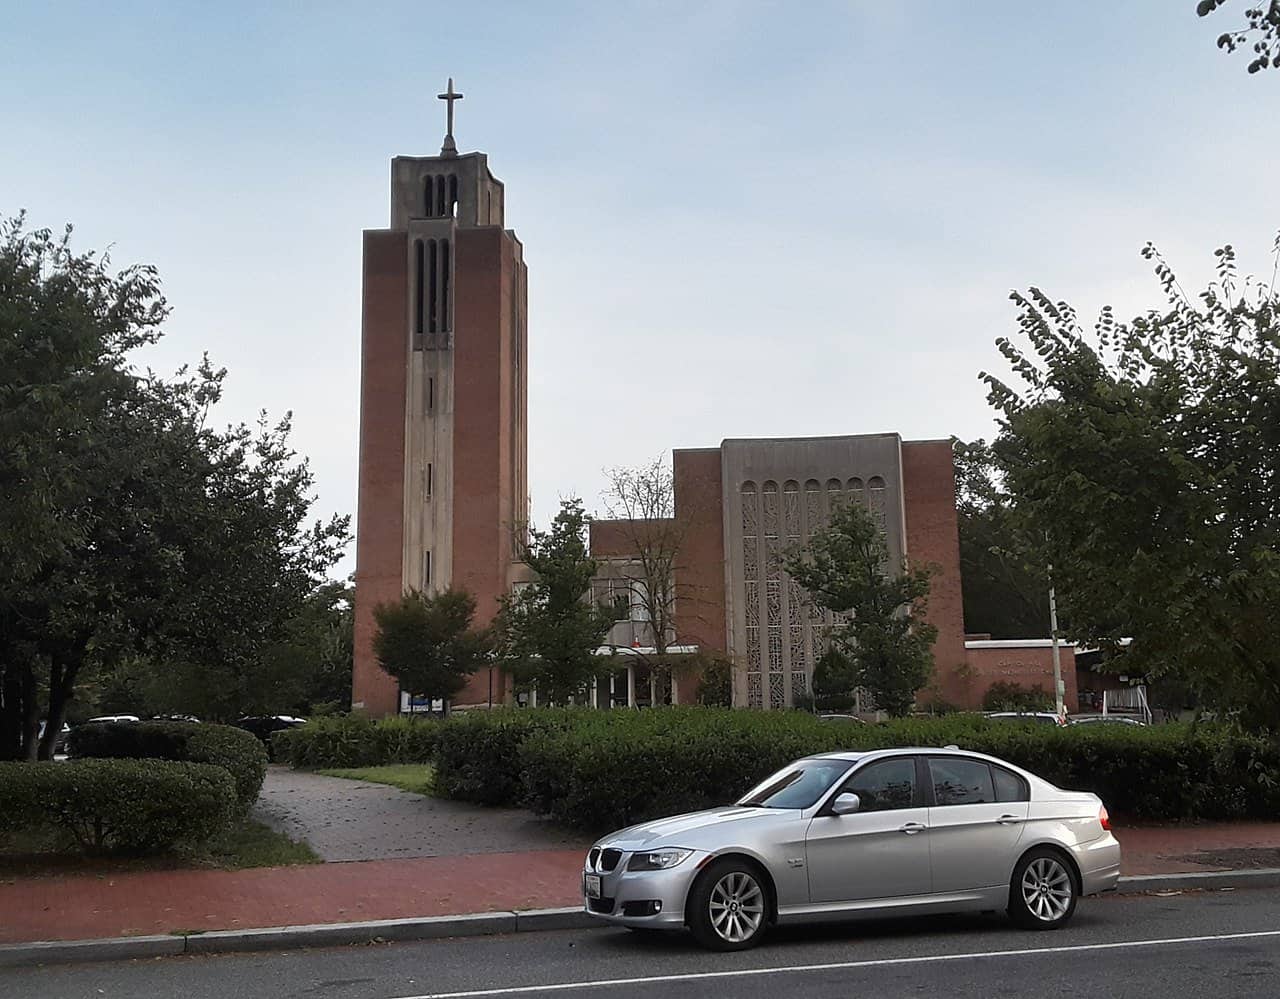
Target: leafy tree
<point>129,528</point>
<point>429,642</point>
<point>642,502</point>
<point>1005,590</point>
<point>715,680</point>
<point>845,568</point>
<point>1148,454</point>
<point>834,681</point>
<point>309,669</point>
<point>549,631</point>
<point>1262,25</point>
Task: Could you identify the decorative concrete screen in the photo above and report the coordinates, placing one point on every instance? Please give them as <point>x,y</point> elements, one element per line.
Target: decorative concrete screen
<point>776,494</point>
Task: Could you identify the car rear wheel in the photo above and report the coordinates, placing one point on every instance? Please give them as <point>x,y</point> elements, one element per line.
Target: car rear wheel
<point>728,906</point>
<point>1043,892</point>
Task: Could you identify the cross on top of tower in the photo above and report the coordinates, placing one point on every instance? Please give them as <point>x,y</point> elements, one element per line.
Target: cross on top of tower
<point>449,96</point>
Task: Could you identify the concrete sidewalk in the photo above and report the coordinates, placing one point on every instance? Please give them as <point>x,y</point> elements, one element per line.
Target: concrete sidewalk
<point>181,902</point>
<point>361,820</point>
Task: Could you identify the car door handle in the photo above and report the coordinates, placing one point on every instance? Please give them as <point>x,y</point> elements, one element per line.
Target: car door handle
<point>1008,820</point>
<point>911,828</point>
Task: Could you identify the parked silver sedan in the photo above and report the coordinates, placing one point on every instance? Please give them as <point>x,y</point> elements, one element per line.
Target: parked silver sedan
<point>889,832</point>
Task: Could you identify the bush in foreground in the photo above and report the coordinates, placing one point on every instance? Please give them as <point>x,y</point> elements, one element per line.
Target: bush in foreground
<point>239,752</point>
<point>119,805</point>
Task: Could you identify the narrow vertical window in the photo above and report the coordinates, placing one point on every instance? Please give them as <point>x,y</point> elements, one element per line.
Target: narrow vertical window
<point>431,394</point>
<point>445,325</point>
<point>429,482</point>
<point>433,286</point>
<point>419,272</point>
<point>429,197</point>
<point>440,184</point>
<point>453,196</point>
<point>426,569</point>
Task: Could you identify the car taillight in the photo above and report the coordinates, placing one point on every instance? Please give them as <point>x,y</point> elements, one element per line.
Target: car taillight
<point>1104,818</point>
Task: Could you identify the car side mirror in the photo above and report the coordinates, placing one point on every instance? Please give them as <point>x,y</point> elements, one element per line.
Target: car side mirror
<point>846,803</point>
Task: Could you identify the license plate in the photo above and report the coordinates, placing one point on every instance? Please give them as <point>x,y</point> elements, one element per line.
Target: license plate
<point>591,884</point>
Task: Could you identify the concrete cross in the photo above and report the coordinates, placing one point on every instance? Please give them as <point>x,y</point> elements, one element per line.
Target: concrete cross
<point>449,96</point>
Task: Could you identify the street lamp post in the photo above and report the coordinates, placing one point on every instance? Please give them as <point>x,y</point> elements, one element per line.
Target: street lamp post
<point>1057,657</point>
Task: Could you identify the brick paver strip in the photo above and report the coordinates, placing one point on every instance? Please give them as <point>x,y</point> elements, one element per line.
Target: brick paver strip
<point>81,907</point>
<point>150,902</point>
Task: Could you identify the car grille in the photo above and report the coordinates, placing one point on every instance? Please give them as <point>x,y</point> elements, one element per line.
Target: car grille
<point>603,860</point>
<point>601,905</point>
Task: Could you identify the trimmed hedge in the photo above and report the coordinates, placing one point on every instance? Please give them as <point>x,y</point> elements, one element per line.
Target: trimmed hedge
<point>124,805</point>
<point>239,752</point>
<point>603,769</point>
<point>356,741</point>
<point>478,752</point>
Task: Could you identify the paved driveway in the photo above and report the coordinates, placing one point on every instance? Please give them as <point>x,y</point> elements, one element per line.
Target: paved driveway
<point>356,820</point>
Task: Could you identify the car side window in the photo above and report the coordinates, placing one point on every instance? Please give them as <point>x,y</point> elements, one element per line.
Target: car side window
<point>885,785</point>
<point>1009,786</point>
<point>959,781</point>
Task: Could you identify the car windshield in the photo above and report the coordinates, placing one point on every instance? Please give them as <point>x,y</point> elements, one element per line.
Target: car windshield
<point>798,785</point>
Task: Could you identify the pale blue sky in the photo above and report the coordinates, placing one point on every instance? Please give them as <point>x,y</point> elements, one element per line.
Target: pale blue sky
<point>740,219</point>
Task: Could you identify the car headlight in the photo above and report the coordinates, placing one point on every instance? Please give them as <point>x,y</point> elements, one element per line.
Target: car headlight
<point>658,860</point>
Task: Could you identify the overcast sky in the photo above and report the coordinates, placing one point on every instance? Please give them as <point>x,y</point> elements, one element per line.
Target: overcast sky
<point>740,219</point>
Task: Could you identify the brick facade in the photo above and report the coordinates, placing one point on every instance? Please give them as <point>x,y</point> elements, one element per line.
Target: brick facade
<point>933,539</point>
<point>1028,664</point>
<point>380,516</point>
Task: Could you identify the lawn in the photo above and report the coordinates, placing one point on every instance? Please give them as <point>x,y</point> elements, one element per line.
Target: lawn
<point>248,843</point>
<point>415,777</point>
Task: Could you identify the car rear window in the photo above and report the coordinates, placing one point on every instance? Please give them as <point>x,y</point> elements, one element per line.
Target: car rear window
<point>1009,786</point>
<point>961,782</point>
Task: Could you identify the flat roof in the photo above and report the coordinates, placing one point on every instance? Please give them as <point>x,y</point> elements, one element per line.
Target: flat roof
<point>1016,643</point>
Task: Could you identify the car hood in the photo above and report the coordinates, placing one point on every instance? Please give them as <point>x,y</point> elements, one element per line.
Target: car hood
<point>708,829</point>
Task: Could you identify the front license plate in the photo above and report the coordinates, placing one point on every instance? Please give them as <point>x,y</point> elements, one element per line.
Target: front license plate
<point>592,885</point>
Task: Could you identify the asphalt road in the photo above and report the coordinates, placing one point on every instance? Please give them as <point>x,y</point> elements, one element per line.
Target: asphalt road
<point>1219,944</point>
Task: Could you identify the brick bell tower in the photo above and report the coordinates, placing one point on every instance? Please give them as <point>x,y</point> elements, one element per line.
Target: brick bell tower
<point>443,447</point>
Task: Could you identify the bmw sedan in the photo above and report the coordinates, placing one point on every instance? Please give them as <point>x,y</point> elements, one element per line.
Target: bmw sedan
<point>889,832</point>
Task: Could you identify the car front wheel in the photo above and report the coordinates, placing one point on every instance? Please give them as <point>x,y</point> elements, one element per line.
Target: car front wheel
<point>1043,893</point>
<point>728,907</point>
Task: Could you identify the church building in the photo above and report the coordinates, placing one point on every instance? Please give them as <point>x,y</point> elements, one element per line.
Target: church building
<point>443,470</point>
<point>443,397</point>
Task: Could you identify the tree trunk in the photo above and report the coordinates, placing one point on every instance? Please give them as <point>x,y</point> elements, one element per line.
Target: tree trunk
<point>10,711</point>
<point>61,685</point>
<point>30,720</point>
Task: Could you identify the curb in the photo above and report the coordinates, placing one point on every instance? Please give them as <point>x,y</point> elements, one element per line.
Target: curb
<point>1260,877</point>
<point>465,925</point>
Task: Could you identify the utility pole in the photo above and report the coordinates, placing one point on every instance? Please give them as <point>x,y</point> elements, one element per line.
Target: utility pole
<point>1057,657</point>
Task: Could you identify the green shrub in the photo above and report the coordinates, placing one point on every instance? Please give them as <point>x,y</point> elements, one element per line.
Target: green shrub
<point>357,741</point>
<point>239,752</point>
<point>620,767</point>
<point>1004,695</point>
<point>478,752</point>
<point>121,805</point>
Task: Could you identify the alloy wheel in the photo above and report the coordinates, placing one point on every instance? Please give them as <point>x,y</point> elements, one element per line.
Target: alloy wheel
<point>736,907</point>
<point>1046,889</point>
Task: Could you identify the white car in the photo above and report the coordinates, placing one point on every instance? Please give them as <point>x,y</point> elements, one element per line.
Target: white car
<point>888,832</point>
